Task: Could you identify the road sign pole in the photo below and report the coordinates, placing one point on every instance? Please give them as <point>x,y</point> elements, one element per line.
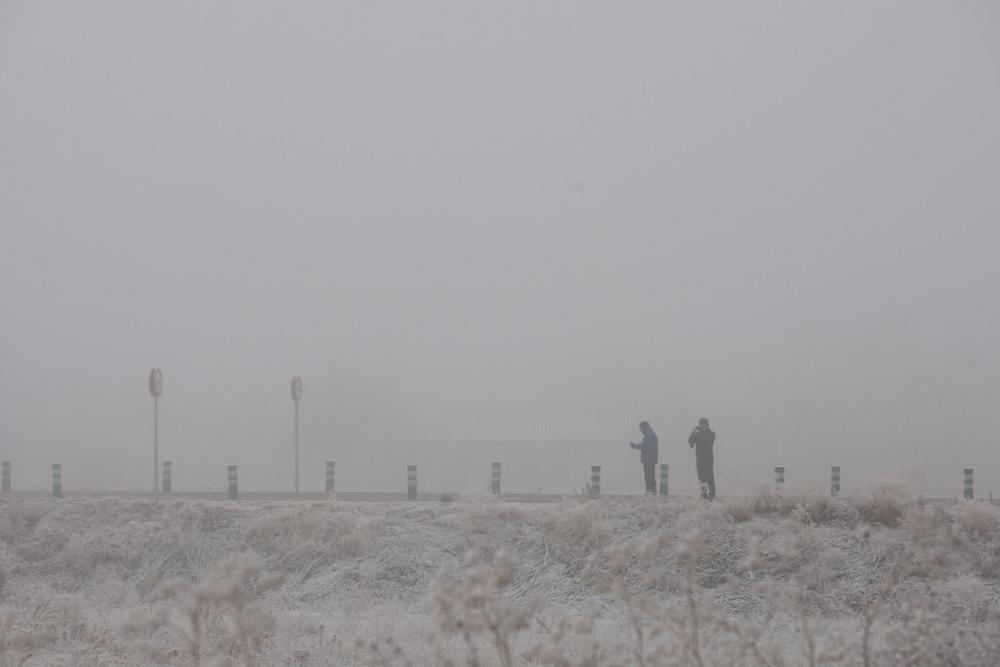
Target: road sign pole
<point>296,446</point>
<point>296,395</point>
<point>155,389</point>
<point>156,447</point>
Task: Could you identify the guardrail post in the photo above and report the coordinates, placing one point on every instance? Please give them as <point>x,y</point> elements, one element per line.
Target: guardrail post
<point>6,477</point>
<point>168,484</point>
<point>495,478</point>
<point>233,483</point>
<point>779,474</point>
<point>330,471</point>
<point>664,479</point>
<point>834,481</point>
<point>595,481</point>
<point>968,483</point>
<point>57,480</point>
<point>411,482</point>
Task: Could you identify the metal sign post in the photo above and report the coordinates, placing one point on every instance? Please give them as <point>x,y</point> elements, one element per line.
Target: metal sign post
<point>296,396</point>
<point>155,389</point>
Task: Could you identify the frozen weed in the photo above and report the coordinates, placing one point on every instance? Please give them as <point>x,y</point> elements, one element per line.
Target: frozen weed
<point>786,576</point>
<point>476,603</point>
<point>219,607</point>
<point>979,521</point>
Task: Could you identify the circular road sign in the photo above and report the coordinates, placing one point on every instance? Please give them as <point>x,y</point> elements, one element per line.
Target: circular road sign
<point>155,382</point>
<point>296,388</point>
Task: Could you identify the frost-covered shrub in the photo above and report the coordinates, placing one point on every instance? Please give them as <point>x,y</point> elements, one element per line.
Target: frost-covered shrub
<point>978,521</point>
<point>882,507</point>
<point>476,603</point>
<point>799,579</point>
<point>924,636</point>
<point>21,634</point>
<point>829,511</point>
<point>302,541</point>
<point>216,617</point>
<point>768,500</point>
<point>576,532</point>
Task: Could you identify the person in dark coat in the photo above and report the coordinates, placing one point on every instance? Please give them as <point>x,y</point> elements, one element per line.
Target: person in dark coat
<point>702,439</point>
<point>648,455</point>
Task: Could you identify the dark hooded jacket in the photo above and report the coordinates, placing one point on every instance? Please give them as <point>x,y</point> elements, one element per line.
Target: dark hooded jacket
<point>702,438</point>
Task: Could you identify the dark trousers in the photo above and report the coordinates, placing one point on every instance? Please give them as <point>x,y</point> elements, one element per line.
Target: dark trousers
<point>648,471</point>
<point>706,474</point>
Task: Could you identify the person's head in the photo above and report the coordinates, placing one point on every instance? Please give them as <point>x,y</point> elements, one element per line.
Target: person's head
<point>644,427</point>
<point>703,422</point>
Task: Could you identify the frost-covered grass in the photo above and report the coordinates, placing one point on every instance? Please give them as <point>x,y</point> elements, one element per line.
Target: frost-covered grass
<point>777,577</point>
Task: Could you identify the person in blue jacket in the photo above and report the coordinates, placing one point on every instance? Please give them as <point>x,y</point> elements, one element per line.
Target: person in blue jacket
<point>648,455</point>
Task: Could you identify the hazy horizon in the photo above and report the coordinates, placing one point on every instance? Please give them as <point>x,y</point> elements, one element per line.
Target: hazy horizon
<point>501,223</point>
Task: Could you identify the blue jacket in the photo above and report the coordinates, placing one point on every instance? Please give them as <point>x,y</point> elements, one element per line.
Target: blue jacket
<point>649,448</point>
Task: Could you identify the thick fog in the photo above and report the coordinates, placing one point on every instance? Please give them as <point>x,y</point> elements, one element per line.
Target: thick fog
<point>499,231</point>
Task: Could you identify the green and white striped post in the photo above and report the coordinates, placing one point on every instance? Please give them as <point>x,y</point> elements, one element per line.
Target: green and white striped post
<point>664,479</point>
<point>331,469</point>
<point>968,483</point>
<point>168,483</point>
<point>495,478</point>
<point>411,482</point>
<point>779,474</point>
<point>595,481</point>
<point>834,481</point>
<point>6,477</point>
<point>233,483</point>
<point>57,480</point>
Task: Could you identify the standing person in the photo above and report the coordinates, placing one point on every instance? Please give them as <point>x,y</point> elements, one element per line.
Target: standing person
<point>648,456</point>
<point>702,438</point>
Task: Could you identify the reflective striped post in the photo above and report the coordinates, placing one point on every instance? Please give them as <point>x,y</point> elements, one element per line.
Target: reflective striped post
<point>834,481</point>
<point>6,477</point>
<point>167,472</point>
<point>57,480</point>
<point>330,470</point>
<point>968,483</point>
<point>779,474</point>
<point>495,479</point>
<point>664,479</point>
<point>233,483</point>
<point>595,481</point>
<point>411,482</point>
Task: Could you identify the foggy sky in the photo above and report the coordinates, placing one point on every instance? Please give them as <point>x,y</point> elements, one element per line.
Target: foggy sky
<point>499,230</point>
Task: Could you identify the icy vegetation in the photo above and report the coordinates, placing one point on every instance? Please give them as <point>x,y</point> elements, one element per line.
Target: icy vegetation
<point>773,578</point>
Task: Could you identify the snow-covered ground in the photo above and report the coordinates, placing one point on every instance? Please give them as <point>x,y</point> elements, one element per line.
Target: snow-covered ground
<point>768,579</point>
